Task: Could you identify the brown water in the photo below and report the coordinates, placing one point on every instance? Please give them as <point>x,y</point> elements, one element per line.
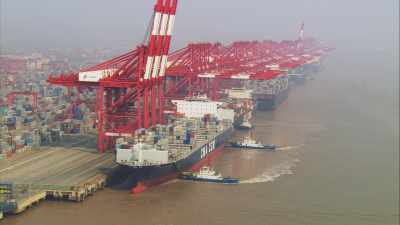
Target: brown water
<point>338,164</point>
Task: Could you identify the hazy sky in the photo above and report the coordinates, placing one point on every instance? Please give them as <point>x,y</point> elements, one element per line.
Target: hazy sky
<point>122,23</point>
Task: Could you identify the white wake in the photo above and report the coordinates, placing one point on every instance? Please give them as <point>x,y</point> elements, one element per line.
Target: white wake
<point>270,174</point>
<point>286,148</point>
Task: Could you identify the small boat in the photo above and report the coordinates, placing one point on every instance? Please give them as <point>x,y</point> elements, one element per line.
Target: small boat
<point>250,143</point>
<point>206,174</point>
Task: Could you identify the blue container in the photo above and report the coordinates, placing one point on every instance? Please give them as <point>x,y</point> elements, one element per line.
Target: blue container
<point>187,138</point>
<point>28,119</point>
<point>28,107</point>
<point>76,130</point>
<point>77,112</point>
<point>78,116</point>
<point>78,109</point>
<point>28,140</point>
<point>11,120</point>
<point>56,91</point>
<point>44,140</point>
<point>8,206</point>
<point>156,138</point>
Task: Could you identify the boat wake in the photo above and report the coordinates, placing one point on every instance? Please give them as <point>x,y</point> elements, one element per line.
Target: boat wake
<point>287,148</point>
<point>270,174</point>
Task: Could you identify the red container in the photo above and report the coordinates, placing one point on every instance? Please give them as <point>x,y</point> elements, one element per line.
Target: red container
<point>19,146</point>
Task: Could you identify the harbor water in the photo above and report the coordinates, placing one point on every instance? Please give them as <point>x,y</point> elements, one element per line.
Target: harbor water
<point>337,163</point>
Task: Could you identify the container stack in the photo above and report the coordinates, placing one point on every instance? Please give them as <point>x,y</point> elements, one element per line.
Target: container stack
<point>5,146</point>
<point>45,137</point>
<point>179,138</point>
<point>22,127</point>
<point>270,87</point>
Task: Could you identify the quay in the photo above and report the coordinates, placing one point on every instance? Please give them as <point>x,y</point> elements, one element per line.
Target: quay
<point>53,172</point>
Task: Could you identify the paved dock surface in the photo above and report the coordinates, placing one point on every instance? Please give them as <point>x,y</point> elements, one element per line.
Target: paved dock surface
<point>54,166</point>
<point>63,172</point>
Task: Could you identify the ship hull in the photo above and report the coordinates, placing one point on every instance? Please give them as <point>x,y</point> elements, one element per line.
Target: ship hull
<point>271,102</point>
<point>220,181</point>
<point>298,78</point>
<point>138,179</point>
<point>314,67</point>
<point>241,127</point>
<point>241,146</point>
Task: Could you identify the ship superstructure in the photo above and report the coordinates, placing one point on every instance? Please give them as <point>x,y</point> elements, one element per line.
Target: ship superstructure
<point>199,106</point>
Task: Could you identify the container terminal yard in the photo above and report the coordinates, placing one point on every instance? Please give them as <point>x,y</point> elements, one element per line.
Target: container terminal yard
<point>138,119</point>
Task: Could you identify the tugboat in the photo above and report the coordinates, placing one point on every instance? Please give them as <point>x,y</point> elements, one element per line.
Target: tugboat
<point>250,143</point>
<point>206,174</point>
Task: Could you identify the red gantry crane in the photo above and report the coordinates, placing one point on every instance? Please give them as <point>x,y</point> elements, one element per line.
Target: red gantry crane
<point>130,87</point>
<point>133,88</point>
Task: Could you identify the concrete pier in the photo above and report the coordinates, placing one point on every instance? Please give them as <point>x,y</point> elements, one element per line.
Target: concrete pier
<point>64,173</point>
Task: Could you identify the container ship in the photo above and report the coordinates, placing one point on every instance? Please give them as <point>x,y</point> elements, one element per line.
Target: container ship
<point>305,71</point>
<point>193,137</point>
<point>269,94</point>
<point>241,101</point>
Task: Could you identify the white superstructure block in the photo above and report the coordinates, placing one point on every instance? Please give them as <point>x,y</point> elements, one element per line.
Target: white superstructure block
<point>198,109</point>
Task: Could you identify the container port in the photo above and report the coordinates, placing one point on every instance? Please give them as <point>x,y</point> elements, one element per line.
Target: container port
<point>66,135</point>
